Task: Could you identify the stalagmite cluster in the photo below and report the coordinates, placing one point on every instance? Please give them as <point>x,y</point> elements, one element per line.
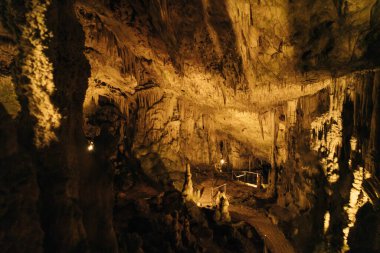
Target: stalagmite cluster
<point>118,95</point>
<point>357,199</point>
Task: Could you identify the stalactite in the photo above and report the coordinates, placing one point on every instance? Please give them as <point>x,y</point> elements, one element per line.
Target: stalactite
<point>146,98</point>
<point>124,104</point>
<point>101,37</point>
<point>326,131</point>
<point>291,112</point>
<point>261,125</point>
<point>373,142</point>
<point>273,171</point>
<point>130,63</point>
<point>326,137</point>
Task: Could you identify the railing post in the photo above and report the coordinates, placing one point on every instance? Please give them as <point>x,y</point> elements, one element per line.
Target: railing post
<point>249,163</point>
<point>258,181</point>
<point>212,195</point>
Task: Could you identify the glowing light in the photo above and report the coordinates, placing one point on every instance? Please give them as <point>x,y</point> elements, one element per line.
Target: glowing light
<point>91,146</point>
<point>222,161</point>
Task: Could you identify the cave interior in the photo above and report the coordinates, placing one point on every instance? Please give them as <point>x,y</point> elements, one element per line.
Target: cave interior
<point>189,126</point>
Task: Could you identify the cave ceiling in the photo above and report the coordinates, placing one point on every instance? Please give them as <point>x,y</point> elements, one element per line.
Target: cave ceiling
<point>234,60</point>
<point>100,97</point>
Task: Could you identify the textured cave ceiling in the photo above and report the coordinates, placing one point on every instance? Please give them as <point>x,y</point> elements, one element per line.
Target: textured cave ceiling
<point>289,88</point>
<point>236,60</point>
<point>233,60</point>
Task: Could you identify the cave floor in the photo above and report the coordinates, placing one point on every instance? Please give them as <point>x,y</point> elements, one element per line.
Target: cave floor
<point>240,198</point>
<point>273,237</point>
<point>243,206</point>
<point>237,192</point>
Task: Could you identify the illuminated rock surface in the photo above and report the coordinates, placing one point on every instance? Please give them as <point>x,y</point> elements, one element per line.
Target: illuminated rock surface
<point>287,88</point>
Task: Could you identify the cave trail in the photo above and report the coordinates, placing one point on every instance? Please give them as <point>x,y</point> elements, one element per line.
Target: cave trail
<point>273,237</point>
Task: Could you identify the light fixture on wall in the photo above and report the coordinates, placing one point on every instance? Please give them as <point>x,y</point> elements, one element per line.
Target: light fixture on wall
<point>90,146</point>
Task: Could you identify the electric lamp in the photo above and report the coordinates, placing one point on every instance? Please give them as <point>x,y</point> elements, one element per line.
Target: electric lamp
<point>90,146</point>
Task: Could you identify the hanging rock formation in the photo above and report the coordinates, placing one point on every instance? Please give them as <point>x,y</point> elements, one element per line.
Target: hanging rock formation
<point>293,86</point>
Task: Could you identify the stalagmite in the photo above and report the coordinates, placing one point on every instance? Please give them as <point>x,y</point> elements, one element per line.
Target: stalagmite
<point>224,203</point>
<point>187,190</point>
<point>221,212</point>
<point>326,222</point>
<point>283,95</point>
<point>357,199</point>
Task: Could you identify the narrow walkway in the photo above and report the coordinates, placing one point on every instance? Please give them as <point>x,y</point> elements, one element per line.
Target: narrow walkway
<point>273,237</point>
<point>206,199</point>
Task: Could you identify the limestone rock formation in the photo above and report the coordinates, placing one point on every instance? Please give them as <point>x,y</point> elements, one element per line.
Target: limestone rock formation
<point>225,215</point>
<point>221,208</point>
<point>187,190</point>
<point>287,88</point>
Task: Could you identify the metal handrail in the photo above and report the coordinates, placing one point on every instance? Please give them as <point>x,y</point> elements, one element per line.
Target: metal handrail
<point>242,176</point>
<point>215,188</point>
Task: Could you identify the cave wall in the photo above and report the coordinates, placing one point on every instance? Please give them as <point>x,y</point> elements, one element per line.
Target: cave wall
<point>164,132</point>
<point>330,159</point>
<point>50,196</point>
<point>276,86</point>
<point>274,53</point>
<point>292,83</point>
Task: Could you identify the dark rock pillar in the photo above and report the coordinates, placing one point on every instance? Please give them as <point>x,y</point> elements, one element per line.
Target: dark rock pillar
<point>59,195</point>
